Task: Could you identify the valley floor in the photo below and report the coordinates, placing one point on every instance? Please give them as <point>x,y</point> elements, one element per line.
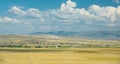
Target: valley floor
<point>60,56</point>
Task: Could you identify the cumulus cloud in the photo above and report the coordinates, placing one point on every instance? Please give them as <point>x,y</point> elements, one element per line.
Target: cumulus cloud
<point>95,13</point>
<point>68,6</point>
<point>8,20</point>
<point>69,13</point>
<point>30,12</point>
<point>104,13</point>
<point>67,17</point>
<point>17,10</point>
<point>33,12</point>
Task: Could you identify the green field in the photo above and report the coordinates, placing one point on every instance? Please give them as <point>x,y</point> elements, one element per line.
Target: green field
<point>60,56</point>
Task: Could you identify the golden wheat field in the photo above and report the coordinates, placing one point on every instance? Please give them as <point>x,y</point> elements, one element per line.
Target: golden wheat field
<point>60,56</point>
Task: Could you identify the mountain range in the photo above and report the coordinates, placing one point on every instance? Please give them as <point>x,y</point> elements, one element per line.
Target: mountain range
<point>112,35</point>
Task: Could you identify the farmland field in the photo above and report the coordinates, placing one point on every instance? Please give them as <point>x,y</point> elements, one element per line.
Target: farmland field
<point>59,55</point>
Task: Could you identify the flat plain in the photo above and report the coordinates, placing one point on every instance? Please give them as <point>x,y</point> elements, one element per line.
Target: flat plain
<point>59,55</point>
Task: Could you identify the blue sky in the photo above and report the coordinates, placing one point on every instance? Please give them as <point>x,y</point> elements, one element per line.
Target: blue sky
<point>28,16</point>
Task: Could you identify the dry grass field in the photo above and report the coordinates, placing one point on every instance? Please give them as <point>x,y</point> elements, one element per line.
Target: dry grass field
<point>60,56</point>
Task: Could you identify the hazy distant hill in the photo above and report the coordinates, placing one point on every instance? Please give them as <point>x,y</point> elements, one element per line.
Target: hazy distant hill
<point>115,35</point>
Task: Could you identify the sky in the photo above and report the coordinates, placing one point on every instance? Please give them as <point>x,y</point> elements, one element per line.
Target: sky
<point>29,16</point>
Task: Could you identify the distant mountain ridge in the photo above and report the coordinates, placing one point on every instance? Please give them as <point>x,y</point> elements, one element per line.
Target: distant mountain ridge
<point>114,35</point>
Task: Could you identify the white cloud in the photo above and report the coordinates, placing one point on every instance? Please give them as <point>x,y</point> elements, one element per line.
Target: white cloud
<point>17,10</point>
<point>69,13</point>
<point>8,20</point>
<point>30,12</point>
<point>33,12</point>
<point>68,6</point>
<point>104,13</point>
